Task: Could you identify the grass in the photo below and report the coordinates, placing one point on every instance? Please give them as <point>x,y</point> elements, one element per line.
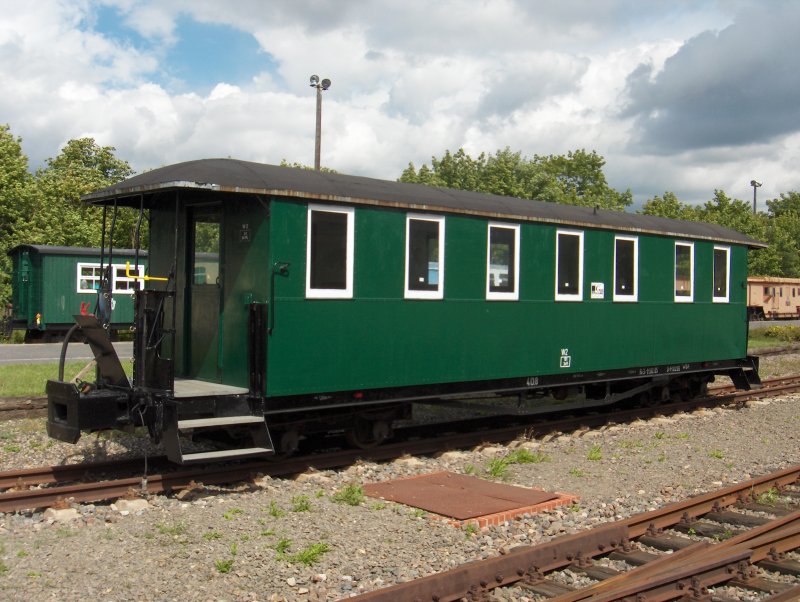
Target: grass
<point>773,336</point>
<point>715,453</point>
<point>595,453</point>
<point>352,495</point>
<point>306,556</point>
<point>212,535</point>
<point>577,472</point>
<point>498,467</point>
<point>274,510</point>
<point>174,530</point>
<point>769,497</point>
<point>301,503</point>
<point>224,566</point>
<point>29,380</point>
<point>233,512</point>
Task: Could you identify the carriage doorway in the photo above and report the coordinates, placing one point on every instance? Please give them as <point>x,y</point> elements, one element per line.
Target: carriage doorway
<point>204,292</point>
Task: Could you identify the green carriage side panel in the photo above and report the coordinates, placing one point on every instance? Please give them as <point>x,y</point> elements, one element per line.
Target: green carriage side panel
<point>379,339</point>
<point>45,282</point>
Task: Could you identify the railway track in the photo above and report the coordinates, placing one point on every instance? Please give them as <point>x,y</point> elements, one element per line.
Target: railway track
<point>45,486</point>
<point>711,540</point>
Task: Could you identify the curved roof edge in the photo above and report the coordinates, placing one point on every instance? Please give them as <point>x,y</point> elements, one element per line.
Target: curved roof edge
<point>245,177</point>
<point>59,250</point>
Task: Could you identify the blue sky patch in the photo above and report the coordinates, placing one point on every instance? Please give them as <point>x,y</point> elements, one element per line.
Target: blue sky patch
<point>206,54</point>
<point>202,55</point>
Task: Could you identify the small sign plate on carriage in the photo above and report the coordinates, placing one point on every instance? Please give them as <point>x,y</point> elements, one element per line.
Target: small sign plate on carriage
<point>463,497</point>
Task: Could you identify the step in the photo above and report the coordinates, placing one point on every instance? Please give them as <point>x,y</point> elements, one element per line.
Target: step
<point>225,453</point>
<point>196,423</point>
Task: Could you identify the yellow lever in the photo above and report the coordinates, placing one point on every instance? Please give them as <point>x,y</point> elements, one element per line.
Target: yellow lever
<point>145,278</point>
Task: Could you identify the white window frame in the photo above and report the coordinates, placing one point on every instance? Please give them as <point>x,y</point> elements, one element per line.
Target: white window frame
<point>570,296</point>
<point>114,278</point>
<point>727,297</point>
<point>332,293</point>
<point>634,296</point>
<point>690,298</point>
<point>439,292</point>
<point>95,278</point>
<point>497,295</point>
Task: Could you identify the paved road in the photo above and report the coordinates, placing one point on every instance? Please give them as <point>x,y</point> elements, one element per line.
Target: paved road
<point>50,352</point>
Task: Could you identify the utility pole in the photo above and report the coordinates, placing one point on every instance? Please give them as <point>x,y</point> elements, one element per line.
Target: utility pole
<point>755,185</point>
<point>320,86</point>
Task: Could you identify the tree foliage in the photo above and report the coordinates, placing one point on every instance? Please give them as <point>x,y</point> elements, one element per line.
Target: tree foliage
<point>16,194</point>
<point>45,207</point>
<point>576,178</point>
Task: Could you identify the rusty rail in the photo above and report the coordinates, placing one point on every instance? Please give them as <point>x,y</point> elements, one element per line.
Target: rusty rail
<point>529,563</point>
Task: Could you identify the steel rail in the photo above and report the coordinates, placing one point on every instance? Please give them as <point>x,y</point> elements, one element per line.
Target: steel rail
<point>530,562</point>
<point>45,475</point>
<point>661,579</point>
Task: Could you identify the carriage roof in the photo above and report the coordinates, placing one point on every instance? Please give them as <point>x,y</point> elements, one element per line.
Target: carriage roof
<point>258,179</point>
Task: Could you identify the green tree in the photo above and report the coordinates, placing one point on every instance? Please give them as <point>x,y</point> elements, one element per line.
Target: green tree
<point>16,194</point>
<point>668,206</point>
<point>576,178</point>
<point>59,217</point>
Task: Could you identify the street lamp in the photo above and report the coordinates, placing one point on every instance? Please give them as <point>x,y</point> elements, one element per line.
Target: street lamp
<point>755,185</point>
<point>320,86</point>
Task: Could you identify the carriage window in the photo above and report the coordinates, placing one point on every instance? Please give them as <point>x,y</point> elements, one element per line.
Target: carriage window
<point>722,259</point>
<point>569,266</point>
<point>88,277</point>
<point>124,283</point>
<point>502,262</point>
<point>329,253</point>
<point>684,272</point>
<point>626,268</point>
<point>424,257</point>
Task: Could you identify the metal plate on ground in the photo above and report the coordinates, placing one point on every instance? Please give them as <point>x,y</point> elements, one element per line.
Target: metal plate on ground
<point>457,496</point>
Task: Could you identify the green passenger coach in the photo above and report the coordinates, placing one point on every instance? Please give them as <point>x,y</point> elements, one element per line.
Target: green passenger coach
<point>294,301</point>
<point>49,284</point>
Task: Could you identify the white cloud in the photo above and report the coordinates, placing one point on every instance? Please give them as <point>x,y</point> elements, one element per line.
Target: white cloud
<point>409,81</point>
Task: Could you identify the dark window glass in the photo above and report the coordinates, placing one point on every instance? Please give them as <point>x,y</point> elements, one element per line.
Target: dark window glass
<point>568,264</point>
<point>683,271</point>
<point>423,255</point>
<point>502,253</point>
<point>766,290</point>
<point>328,250</point>
<point>720,273</point>
<point>624,267</point>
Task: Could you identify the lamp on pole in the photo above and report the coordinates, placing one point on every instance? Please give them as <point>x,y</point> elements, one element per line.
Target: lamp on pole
<point>755,185</point>
<point>320,86</point>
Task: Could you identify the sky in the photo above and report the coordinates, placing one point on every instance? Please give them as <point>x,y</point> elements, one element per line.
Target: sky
<point>676,95</point>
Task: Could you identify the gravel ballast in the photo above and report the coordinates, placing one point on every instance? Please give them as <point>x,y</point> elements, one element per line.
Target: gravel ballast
<point>290,539</point>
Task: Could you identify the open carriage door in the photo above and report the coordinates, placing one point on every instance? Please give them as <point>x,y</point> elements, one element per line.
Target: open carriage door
<point>204,292</point>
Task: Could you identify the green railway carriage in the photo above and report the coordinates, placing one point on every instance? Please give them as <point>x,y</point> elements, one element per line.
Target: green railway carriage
<point>295,301</point>
<point>51,283</point>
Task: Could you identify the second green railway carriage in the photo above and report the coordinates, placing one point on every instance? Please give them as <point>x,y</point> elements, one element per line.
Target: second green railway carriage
<point>338,300</point>
<point>52,283</point>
